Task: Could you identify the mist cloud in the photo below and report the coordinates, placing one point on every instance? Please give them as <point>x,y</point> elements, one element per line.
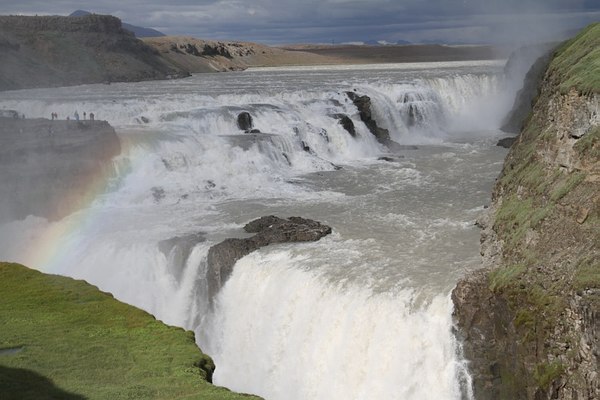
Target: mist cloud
<point>287,21</point>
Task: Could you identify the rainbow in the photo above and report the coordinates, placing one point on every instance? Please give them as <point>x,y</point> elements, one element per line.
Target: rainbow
<point>49,243</point>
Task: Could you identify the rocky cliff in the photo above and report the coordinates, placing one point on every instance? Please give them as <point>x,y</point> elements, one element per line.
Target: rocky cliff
<point>50,168</point>
<point>530,321</point>
<point>61,51</point>
<point>197,55</point>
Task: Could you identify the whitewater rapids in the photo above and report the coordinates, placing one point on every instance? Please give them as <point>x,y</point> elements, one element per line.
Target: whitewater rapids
<point>362,314</point>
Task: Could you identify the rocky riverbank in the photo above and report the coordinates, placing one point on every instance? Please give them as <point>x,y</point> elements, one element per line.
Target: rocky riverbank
<point>51,168</point>
<point>530,321</point>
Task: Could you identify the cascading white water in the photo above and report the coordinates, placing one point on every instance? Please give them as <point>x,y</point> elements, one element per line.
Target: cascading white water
<point>285,333</point>
<point>365,315</point>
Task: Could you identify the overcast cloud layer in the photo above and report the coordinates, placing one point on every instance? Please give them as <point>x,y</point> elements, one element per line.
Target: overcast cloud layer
<point>327,21</point>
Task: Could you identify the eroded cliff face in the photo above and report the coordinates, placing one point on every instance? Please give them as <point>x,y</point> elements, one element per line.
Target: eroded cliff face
<point>530,321</point>
<point>52,168</point>
<point>198,55</point>
<point>61,51</point>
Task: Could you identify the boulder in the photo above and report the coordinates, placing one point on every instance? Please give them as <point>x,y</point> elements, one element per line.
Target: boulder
<point>268,230</point>
<point>506,142</point>
<point>244,121</point>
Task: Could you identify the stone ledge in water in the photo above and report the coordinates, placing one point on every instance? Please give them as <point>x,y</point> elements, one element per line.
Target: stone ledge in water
<point>270,229</point>
<point>363,104</point>
<point>506,142</point>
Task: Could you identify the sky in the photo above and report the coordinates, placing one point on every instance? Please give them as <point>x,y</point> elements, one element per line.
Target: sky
<point>340,21</point>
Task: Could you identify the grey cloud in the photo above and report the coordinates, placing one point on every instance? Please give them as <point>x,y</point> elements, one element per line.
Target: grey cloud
<point>285,21</point>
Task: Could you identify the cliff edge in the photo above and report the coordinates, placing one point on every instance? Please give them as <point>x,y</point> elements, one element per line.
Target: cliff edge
<point>62,51</point>
<point>65,339</point>
<point>51,168</point>
<point>530,321</point>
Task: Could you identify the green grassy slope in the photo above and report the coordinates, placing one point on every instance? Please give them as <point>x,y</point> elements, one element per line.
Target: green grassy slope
<point>576,63</point>
<point>70,340</point>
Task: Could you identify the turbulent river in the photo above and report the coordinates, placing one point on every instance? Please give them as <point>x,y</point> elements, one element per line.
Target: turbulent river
<point>365,312</point>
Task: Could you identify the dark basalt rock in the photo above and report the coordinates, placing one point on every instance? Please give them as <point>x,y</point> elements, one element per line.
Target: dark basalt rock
<point>218,49</point>
<point>390,159</point>
<point>346,123</point>
<point>363,103</point>
<point>244,122</point>
<point>270,229</point>
<point>506,142</point>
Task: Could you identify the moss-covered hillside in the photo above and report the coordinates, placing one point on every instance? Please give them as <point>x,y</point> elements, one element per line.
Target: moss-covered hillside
<point>64,339</point>
<point>531,323</point>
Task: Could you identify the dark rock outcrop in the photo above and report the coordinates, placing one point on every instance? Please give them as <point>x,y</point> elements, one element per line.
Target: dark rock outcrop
<point>346,123</point>
<point>268,230</point>
<point>363,104</point>
<point>61,51</point>
<point>506,142</point>
<point>47,168</point>
<point>244,121</point>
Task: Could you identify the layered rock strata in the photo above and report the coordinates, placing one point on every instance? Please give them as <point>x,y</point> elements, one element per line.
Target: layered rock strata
<point>530,321</point>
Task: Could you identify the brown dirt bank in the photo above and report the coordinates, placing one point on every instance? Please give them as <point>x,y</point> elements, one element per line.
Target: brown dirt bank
<point>348,54</point>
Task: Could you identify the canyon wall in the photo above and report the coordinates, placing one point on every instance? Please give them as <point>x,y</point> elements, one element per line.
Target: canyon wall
<point>530,320</point>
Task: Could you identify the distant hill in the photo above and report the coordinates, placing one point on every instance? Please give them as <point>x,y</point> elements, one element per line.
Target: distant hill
<point>59,51</point>
<point>138,31</point>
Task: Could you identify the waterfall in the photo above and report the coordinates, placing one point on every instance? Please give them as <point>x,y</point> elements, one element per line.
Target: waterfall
<point>188,177</point>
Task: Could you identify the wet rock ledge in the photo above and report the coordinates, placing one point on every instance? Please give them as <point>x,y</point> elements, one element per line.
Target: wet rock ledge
<point>269,230</point>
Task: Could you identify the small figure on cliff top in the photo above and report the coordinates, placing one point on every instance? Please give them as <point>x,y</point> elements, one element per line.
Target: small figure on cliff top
<point>84,115</point>
<point>52,116</point>
<point>91,116</point>
<point>76,115</point>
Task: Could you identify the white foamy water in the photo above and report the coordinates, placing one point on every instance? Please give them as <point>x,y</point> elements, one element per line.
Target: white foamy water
<point>362,314</point>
